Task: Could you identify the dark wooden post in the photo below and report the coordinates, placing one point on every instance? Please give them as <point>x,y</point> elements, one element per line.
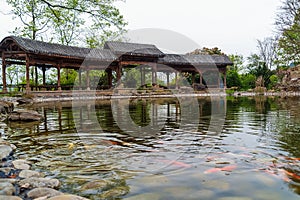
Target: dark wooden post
<point>176,80</point>
<point>200,78</point>
<point>44,76</point>
<point>4,73</point>
<point>27,75</point>
<point>119,72</point>
<point>154,73</point>
<point>225,81</point>
<point>79,77</point>
<point>193,78</point>
<point>36,76</point>
<point>168,80</point>
<point>109,77</point>
<point>142,74</point>
<point>88,79</point>
<point>58,77</point>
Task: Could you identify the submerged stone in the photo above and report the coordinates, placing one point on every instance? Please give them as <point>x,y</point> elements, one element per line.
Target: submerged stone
<point>6,197</point>
<point>35,182</point>
<point>43,192</point>
<point>7,189</point>
<point>67,197</point>
<point>21,164</point>
<point>5,151</point>
<point>29,173</point>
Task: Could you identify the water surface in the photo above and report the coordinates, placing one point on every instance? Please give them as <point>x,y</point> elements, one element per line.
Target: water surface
<point>154,149</point>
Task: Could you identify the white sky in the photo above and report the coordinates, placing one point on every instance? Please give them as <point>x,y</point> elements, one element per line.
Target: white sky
<point>232,25</point>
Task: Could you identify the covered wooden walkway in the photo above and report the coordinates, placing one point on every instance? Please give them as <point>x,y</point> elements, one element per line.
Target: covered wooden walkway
<point>113,58</point>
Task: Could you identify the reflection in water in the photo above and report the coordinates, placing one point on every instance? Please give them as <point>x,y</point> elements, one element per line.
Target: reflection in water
<point>167,148</point>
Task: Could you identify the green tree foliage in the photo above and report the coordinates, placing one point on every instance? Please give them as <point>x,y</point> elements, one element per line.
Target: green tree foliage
<point>258,68</point>
<point>248,81</point>
<point>207,51</point>
<point>233,79</point>
<point>288,24</point>
<point>238,63</point>
<point>68,22</point>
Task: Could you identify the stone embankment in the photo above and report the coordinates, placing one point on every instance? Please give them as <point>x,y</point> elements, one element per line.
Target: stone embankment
<point>19,182</point>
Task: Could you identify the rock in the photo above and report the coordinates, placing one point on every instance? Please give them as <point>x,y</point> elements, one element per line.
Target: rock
<point>6,107</point>
<point>29,173</point>
<point>5,151</point>
<point>21,164</point>
<point>5,197</point>
<point>25,101</point>
<point>43,192</point>
<point>98,184</point>
<point>25,115</point>
<point>8,180</point>
<point>35,182</point>
<point>115,192</point>
<point>7,189</point>
<point>67,197</point>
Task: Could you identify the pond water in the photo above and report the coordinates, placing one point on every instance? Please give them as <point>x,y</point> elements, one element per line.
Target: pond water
<point>210,148</point>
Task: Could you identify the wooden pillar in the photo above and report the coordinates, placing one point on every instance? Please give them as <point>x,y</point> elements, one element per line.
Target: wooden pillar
<point>176,80</point>
<point>200,78</point>
<point>219,80</point>
<point>225,81</point>
<point>4,73</point>
<point>79,77</point>
<point>168,80</point>
<point>154,73</point>
<point>27,75</point>
<point>88,79</point>
<point>119,72</point>
<point>109,77</point>
<point>36,76</point>
<point>142,75</point>
<point>58,77</point>
<point>44,76</point>
<point>193,78</point>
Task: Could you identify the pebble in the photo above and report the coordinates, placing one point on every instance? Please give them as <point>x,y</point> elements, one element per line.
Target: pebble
<point>35,182</point>
<point>21,164</point>
<point>29,173</point>
<point>5,151</point>
<point>7,189</point>
<point>43,192</point>
<point>67,197</point>
<point>8,180</point>
<point>5,197</point>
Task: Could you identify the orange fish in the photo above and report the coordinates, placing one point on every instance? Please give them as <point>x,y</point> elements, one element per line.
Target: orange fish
<point>214,170</point>
<point>292,175</point>
<point>176,163</point>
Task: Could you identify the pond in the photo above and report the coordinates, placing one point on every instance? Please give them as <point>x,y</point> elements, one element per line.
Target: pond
<point>185,148</point>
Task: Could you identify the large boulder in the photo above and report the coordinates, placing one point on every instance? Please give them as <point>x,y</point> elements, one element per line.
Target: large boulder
<point>25,115</point>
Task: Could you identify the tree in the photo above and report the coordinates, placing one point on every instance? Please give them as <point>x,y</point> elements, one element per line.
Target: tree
<point>288,25</point>
<point>233,79</point>
<point>207,51</point>
<point>68,22</point>
<point>268,49</point>
<point>257,67</point>
<point>238,62</point>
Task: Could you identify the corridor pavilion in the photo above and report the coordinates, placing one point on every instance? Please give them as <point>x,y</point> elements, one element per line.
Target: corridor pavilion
<point>114,58</point>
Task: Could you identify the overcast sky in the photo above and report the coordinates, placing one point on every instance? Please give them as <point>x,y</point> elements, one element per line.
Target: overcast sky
<point>232,25</point>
